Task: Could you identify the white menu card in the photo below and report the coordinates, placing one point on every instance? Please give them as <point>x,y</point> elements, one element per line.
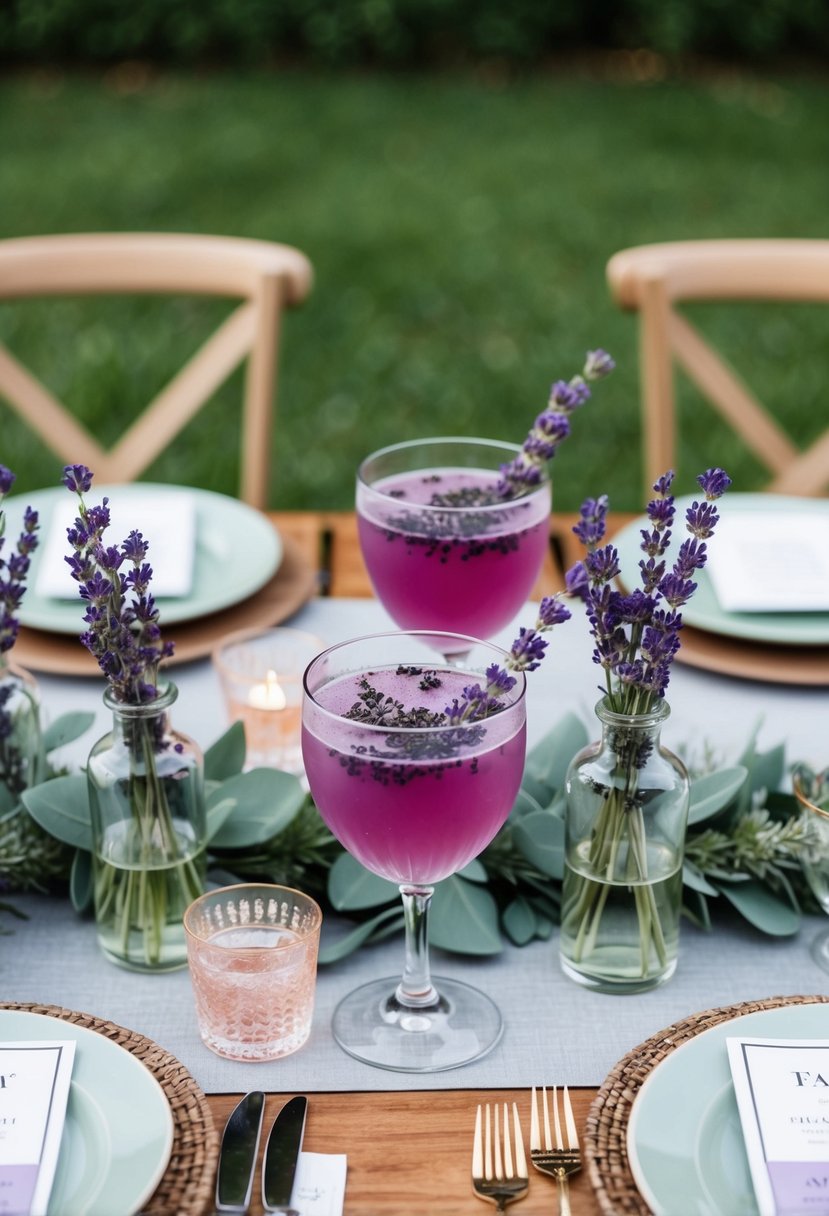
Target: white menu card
<point>782,1089</point>
<point>165,518</point>
<point>34,1090</point>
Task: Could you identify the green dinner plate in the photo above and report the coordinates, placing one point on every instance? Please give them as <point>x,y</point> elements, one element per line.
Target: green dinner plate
<point>118,1132</point>
<point>703,610</point>
<point>237,551</point>
<point>684,1140</point>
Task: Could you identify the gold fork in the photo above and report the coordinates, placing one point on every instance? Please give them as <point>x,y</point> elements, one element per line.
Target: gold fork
<point>508,1178</point>
<point>560,1162</point>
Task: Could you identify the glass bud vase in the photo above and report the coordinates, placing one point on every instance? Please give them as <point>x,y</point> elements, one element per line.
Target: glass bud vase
<point>146,795</point>
<point>627,811</point>
<point>22,759</point>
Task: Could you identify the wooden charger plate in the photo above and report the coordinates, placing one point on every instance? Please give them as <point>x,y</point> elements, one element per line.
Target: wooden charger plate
<point>805,665</point>
<point>291,586</point>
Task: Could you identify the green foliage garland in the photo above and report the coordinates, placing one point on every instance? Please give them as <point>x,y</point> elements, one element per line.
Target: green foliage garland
<point>743,848</point>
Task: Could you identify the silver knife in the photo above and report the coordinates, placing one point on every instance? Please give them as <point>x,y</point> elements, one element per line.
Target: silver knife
<point>281,1156</point>
<point>237,1156</point>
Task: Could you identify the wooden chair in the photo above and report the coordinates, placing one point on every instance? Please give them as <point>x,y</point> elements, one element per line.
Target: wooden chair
<point>264,276</point>
<point>653,279</point>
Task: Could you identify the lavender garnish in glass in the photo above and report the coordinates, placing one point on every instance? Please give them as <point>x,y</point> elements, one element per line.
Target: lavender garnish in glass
<point>145,779</point>
<point>617,790</point>
<point>454,531</point>
<point>22,759</point>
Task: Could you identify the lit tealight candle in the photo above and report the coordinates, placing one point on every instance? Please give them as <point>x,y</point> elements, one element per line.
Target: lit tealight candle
<point>269,695</point>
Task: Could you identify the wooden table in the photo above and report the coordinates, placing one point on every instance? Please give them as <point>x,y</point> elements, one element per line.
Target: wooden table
<point>411,1152</point>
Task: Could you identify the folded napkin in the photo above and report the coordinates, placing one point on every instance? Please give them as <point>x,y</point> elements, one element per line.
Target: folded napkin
<point>319,1184</point>
<point>767,561</point>
<point>165,518</point>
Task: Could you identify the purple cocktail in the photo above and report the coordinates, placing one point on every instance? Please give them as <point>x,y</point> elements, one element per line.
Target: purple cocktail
<point>442,549</point>
<point>414,797</point>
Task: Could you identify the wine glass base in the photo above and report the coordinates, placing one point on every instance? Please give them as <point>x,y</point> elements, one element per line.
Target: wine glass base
<point>820,949</point>
<point>372,1026</point>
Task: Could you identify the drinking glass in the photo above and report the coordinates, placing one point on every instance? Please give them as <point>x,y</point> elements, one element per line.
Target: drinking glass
<point>414,801</point>
<point>252,951</point>
<point>462,568</point>
<point>816,858</point>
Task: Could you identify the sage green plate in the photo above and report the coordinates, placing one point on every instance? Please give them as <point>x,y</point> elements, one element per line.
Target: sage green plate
<point>684,1139</point>
<point>703,610</point>
<point>237,551</point>
<point>118,1132</point>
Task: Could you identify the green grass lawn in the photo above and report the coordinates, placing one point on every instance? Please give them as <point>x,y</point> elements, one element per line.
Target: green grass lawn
<point>459,233</point>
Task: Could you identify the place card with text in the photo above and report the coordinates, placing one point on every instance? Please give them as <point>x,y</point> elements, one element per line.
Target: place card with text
<point>34,1090</point>
<point>782,1089</point>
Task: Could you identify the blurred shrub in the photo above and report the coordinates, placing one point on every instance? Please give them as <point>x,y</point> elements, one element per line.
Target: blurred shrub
<point>401,32</point>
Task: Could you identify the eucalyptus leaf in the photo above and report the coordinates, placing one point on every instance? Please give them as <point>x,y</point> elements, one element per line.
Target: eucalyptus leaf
<point>8,800</point>
<point>548,761</point>
<point>474,872</point>
<point>544,928</point>
<point>540,837</point>
<point>217,813</point>
<point>767,768</point>
<point>352,887</point>
<point>711,793</point>
<point>519,921</point>
<point>762,908</point>
<point>61,807</point>
<point>696,880</point>
<point>226,757</point>
<point>464,918</point>
<point>66,729</point>
<point>81,887</point>
<point>332,952</point>
<point>264,802</point>
<point>524,804</point>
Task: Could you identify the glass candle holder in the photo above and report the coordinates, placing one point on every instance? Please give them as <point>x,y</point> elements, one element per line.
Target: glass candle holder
<point>261,677</point>
<point>252,951</point>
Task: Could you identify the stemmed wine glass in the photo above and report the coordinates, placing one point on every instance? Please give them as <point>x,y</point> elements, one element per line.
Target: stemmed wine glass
<point>414,798</point>
<point>816,857</point>
<point>442,549</point>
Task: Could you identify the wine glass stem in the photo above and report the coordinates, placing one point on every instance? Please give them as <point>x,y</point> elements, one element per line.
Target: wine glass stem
<point>415,989</point>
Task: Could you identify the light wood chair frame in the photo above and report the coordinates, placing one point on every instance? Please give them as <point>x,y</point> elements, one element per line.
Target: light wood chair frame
<point>265,276</point>
<point>653,279</point>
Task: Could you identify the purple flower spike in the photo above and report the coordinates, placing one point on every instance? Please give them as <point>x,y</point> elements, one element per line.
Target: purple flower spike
<point>551,428</point>
<point>7,480</point>
<point>123,633</point>
<point>77,477</point>
<point>714,483</point>
<point>637,635</point>
<point>598,364</point>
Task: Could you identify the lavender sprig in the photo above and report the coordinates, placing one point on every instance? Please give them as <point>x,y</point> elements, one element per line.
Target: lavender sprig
<point>525,654</point>
<point>522,474</point>
<point>637,635</point>
<point>13,571</point>
<point>123,632</point>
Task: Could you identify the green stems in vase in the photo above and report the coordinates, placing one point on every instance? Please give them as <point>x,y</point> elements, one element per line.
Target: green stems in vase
<point>148,820</point>
<point>627,806</point>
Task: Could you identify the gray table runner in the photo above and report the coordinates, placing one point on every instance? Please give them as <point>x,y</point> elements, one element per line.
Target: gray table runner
<point>555,1032</point>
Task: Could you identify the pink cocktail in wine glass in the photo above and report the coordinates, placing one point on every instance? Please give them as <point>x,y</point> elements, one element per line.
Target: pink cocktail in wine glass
<point>413,797</point>
<point>443,550</point>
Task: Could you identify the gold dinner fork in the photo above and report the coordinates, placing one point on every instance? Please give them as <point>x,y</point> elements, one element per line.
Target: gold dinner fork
<point>560,1162</point>
<point>507,1178</point>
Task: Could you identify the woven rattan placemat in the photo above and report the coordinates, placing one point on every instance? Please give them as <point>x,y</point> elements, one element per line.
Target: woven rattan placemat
<point>605,1141</point>
<point>187,1186</point>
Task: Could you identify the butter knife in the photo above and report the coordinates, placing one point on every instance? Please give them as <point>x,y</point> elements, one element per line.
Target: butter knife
<point>281,1157</point>
<point>238,1152</point>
